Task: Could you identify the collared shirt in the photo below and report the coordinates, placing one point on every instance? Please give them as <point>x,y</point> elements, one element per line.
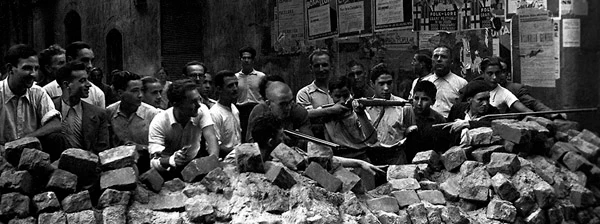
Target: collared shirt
<point>133,128</point>
<point>502,99</point>
<point>96,96</point>
<point>312,97</point>
<point>393,123</point>
<point>21,115</point>
<point>227,126</point>
<point>71,124</point>
<point>248,87</point>
<point>166,136</point>
<point>448,88</point>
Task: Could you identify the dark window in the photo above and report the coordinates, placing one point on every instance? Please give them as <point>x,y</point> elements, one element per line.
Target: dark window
<point>114,53</point>
<point>72,27</point>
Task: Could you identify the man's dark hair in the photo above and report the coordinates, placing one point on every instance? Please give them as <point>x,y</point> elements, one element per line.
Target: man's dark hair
<point>451,56</point>
<point>262,86</point>
<point>338,83</point>
<point>65,73</point>
<point>426,87</point>
<point>266,127</point>
<point>46,55</point>
<point>353,63</point>
<point>121,79</point>
<point>476,86</point>
<point>378,70</point>
<point>319,52</point>
<point>148,80</point>
<point>490,61</point>
<point>249,50</point>
<point>424,56</point>
<point>219,79</point>
<point>74,48</point>
<point>18,51</point>
<point>184,71</point>
<point>177,90</point>
<point>507,62</point>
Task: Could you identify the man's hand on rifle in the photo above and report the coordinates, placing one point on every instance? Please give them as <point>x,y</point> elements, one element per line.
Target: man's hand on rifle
<point>457,125</point>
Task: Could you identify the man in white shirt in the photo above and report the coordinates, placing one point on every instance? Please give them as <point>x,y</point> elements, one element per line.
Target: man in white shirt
<point>500,97</point>
<point>249,80</point>
<point>225,114</point>
<point>80,51</point>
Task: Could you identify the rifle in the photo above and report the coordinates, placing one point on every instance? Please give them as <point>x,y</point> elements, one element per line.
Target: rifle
<point>311,138</point>
<point>372,102</point>
<point>509,115</point>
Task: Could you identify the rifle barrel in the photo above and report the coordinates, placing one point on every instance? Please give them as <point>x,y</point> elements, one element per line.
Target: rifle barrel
<point>311,138</point>
<point>372,103</point>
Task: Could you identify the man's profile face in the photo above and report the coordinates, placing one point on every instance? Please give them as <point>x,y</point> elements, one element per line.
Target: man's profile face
<point>321,67</point>
<point>502,77</point>
<point>133,94</point>
<point>230,88</point>
<point>207,85</point>
<point>26,70</point>
<point>190,105</point>
<point>358,74</point>
<point>441,60</point>
<point>417,65</point>
<point>80,85</point>
<point>86,56</point>
<point>480,102</point>
<point>247,60</point>
<point>421,102</point>
<point>281,104</point>
<point>492,74</point>
<point>383,86</point>
<point>153,94</point>
<point>196,73</point>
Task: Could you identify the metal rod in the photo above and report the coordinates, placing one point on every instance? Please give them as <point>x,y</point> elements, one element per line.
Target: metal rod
<point>311,138</point>
<point>381,102</point>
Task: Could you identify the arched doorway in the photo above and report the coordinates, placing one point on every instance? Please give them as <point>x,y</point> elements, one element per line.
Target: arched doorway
<point>72,27</point>
<point>114,53</point>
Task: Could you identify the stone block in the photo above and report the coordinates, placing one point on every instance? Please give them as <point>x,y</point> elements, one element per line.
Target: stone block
<point>198,168</point>
<point>141,194</point>
<point>585,148</point>
<point>14,149</point>
<point>322,177</point>
<point>576,162</point>
<point>537,217</point>
<point>119,179</point>
<point>248,158</point>
<point>352,206</point>
<point>504,187</point>
<point>429,157</point>
<point>429,185</point>
<point>432,196</point>
<point>58,217</point>
<point>82,217</point>
<point>119,157</point>
<point>382,190</point>
<point>280,177</point>
<point>402,171</point>
<point>46,202</point>
<point>62,183</point>
<point>544,122</point>
<point>198,211</point>
<point>291,158</point>
<point>451,188</point>
<point>390,218</point>
<point>525,203</point>
<point>434,213</point>
<point>367,179</point>
<point>476,185</point>
<point>555,215</point>
<point>77,202</point>
<point>590,137</point>
<point>14,205</point>
<point>511,130</point>
<point>320,154</point>
<point>561,136</point>
<point>167,217</point>
<point>349,179</point>
<point>153,180</point>
<point>544,194</point>
<point>82,163</point>
<point>385,203</point>
<point>405,184</point>
<point>468,166</point>
<point>36,162</point>
<point>111,197</point>
<point>501,210</point>
<point>21,181</point>
<point>167,201</point>
<point>114,214</point>
<point>504,163</point>
<point>484,154</point>
<point>194,189</point>
<point>216,180</point>
<point>425,170</point>
<point>28,220</point>
<point>454,157</point>
<point>174,185</point>
<point>406,197</point>
<point>565,125</point>
<point>453,215</point>
<point>545,168</point>
<point>480,136</point>
<point>581,197</point>
<point>417,213</point>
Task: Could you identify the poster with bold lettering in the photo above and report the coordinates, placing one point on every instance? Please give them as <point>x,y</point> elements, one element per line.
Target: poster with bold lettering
<point>322,18</point>
<point>392,14</point>
<point>290,27</point>
<point>477,13</point>
<point>536,48</point>
<point>435,15</point>
<point>354,17</point>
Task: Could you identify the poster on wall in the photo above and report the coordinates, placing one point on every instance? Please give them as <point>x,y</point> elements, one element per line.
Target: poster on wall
<point>399,39</point>
<point>290,26</point>
<point>322,18</point>
<point>536,48</point>
<point>513,5</point>
<point>435,15</point>
<point>354,17</point>
<point>392,14</point>
<point>478,13</point>
<point>571,30</point>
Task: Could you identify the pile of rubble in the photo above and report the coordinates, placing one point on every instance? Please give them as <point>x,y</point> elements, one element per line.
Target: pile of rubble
<point>530,171</point>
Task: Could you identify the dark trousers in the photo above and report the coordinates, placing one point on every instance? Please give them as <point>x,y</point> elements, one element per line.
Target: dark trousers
<point>245,110</point>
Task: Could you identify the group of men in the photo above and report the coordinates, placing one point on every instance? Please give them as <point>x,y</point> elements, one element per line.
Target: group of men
<point>59,97</point>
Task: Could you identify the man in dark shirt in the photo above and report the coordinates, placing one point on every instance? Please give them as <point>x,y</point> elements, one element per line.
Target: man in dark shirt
<point>425,137</point>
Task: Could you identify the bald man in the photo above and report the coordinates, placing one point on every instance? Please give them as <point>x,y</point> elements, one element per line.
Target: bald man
<point>280,101</point>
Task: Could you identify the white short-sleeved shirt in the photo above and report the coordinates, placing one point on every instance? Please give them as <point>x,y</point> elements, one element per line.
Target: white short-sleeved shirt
<point>312,97</point>
<point>502,99</point>
<point>248,87</point>
<point>96,96</point>
<point>166,136</point>
<point>448,88</point>
<point>227,126</point>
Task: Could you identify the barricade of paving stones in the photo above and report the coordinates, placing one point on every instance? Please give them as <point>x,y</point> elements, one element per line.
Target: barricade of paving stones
<point>530,171</point>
